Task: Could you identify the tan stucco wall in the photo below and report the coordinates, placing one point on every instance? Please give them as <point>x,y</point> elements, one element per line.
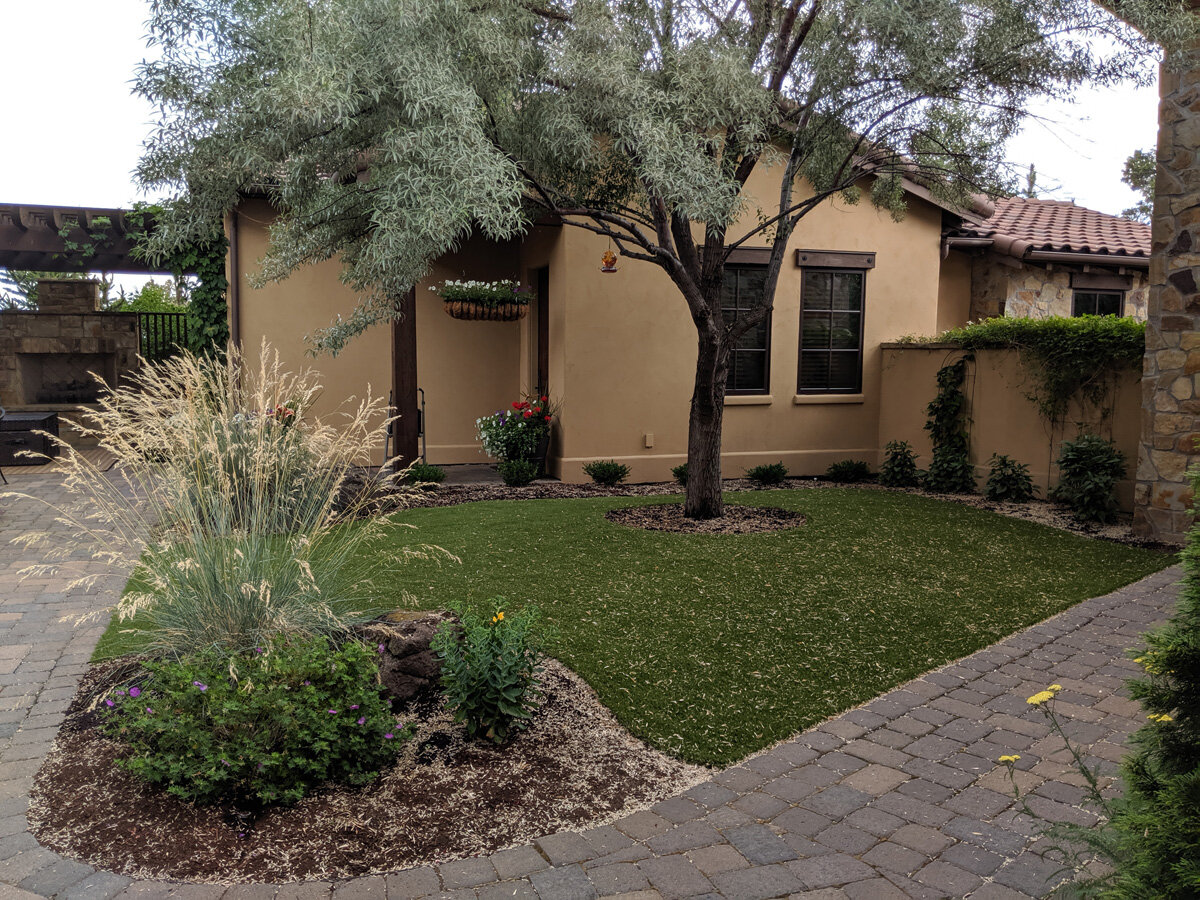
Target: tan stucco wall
<point>285,312</point>
<point>1003,419</point>
<point>630,350</point>
<point>954,291</point>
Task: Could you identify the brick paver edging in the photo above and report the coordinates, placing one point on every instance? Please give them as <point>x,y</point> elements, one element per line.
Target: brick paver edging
<point>899,798</point>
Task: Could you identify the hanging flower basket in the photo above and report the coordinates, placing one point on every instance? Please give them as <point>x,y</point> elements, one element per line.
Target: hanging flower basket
<point>483,301</point>
<point>485,312</point>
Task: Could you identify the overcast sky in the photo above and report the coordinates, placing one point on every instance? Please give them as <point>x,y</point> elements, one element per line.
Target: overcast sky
<point>72,131</point>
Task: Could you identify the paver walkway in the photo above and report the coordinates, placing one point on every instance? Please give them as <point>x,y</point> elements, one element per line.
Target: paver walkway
<point>900,798</point>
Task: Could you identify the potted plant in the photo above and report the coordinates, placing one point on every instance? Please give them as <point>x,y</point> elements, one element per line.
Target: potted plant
<point>483,301</point>
<point>520,432</point>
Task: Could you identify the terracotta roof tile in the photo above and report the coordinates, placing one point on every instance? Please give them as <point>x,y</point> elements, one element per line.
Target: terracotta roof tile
<point>1060,226</point>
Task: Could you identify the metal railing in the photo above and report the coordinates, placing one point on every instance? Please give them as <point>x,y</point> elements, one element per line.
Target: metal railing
<point>162,334</point>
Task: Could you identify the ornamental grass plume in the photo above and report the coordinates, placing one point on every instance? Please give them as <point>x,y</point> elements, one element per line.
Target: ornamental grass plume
<point>229,503</point>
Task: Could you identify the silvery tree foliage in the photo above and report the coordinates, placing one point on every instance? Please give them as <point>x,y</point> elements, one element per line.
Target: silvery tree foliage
<point>386,131</point>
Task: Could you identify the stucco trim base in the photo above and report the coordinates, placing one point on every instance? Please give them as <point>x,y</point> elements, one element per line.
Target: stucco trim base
<point>749,400</point>
<point>827,399</point>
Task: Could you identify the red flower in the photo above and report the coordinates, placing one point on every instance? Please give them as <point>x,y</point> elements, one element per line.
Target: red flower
<point>537,410</point>
<point>528,413</point>
<point>548,418</point>
<point>544,399</point>
<point>520,404</point>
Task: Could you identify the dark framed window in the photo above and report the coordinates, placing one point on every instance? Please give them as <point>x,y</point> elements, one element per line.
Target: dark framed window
<point>831,331</point>
<point>750,360</point>
<point>1097,303</point>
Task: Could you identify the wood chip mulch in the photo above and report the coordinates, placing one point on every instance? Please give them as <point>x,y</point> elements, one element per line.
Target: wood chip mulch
<point>737,519</point>
<point>445,798</point>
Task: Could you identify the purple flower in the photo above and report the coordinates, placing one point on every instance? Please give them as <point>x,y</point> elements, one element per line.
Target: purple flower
<point>259,650</point>
<point>203,687</point>
<point>308,682</point>
<point>121,693</point>
<point>355,706</point>
<point>149,711</point>
<point>362,721</point>
<point>333,712</point>
<point>260,767</point>
<point>135,692</point>
<point>108,703</point>
<point>225,762</point>
<point>379,649</point>
<point>388,736</point>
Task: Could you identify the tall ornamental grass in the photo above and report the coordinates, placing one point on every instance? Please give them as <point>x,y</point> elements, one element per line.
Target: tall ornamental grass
<point>228,502</point>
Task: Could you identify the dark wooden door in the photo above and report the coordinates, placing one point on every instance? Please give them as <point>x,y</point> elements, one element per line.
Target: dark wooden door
<point>406,429</point>
<point>542,277</point>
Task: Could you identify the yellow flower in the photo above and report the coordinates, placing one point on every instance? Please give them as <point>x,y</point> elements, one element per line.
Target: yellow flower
<point>1055,687</point>
<point>497,618</point>
<point>1040,697</point>
<point>1162,719</point>
<point>1009,759</point>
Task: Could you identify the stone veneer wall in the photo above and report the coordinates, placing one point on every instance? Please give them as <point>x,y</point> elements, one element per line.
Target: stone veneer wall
<point>1171,373</point>
<point>1002,286</point>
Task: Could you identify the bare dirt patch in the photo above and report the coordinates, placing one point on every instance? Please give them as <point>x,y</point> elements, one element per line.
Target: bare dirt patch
<point>737,519</point>
<point>444,798</point>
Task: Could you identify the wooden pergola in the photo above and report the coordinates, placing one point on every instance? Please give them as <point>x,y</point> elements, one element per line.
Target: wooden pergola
<point>38,238</point>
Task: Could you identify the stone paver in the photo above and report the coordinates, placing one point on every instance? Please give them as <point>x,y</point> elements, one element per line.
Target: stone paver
<point>900,798</point>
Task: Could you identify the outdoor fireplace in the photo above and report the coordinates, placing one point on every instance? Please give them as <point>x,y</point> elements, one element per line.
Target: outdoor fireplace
<point>64,377</point>
<point>48,356</point>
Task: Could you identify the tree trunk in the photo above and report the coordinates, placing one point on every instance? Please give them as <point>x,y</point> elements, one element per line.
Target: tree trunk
<point>704,500</point>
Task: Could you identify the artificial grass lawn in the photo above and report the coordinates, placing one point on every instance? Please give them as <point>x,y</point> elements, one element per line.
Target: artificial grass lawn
<point>714,646</point>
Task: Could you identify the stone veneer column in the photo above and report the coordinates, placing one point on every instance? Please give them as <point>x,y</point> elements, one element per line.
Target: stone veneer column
<point>1171,371</point>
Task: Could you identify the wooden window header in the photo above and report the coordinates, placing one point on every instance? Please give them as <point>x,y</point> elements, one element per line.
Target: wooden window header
<point>833,259</point>
<point>1101,281</point>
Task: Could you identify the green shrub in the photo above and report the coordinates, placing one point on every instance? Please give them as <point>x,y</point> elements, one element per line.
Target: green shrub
<point>849,471</point>
<point>517,472</point>
<point>679,473</point>
<point>297,715</point>
<point>422,473</point>
<point>1089,468</point>
<point>1008,480</point>
<point>490,666</point>
<point>950,470</point>
<point>899,467</point>
<point>606,471</point>
<point>768,473</point>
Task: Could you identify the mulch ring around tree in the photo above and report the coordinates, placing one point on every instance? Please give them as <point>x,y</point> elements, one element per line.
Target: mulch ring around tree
<point>444,798</point>
<point>737,519</point>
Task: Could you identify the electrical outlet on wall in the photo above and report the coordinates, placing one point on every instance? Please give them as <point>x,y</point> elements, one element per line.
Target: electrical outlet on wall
<point>648,439</point>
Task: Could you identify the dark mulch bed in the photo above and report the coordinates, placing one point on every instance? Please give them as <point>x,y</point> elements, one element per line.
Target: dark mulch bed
<point>737,519</point>
<point>444,798</point>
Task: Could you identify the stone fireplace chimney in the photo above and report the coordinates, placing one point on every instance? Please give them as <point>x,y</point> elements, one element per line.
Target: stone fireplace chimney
<point>66,295</point>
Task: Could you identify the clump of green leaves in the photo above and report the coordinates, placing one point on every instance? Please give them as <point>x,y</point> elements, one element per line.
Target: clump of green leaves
<point>606,471</point>
<point>1008,480</point>
<point>848,471</point>
<point>1072,358</point>
<point>424,474</point>
<point>1089,468</point>
<point>490,668</point>
<point>679,473</point>
<point>517,472</point>
<point>768,474</point>
<point>261,728</point>
<point>950,471</point>
<point>899,468</point>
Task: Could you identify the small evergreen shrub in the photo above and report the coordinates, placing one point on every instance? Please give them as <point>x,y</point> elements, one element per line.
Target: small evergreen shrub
<point>679,473</point>
<point>848,471</point>
<point>517,472</point>
<point>424,474</point>
<point>899,467</point>
<point>1008,480</point>
<point>297,714</point>
<point>1089,468</point>
<point>490,667</point>
<point>767,474</point>
<point>606,471</point>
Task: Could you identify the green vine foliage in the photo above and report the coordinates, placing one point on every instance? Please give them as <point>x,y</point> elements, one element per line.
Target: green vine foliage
<point>950,471</point>
<point>1071,358</point>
